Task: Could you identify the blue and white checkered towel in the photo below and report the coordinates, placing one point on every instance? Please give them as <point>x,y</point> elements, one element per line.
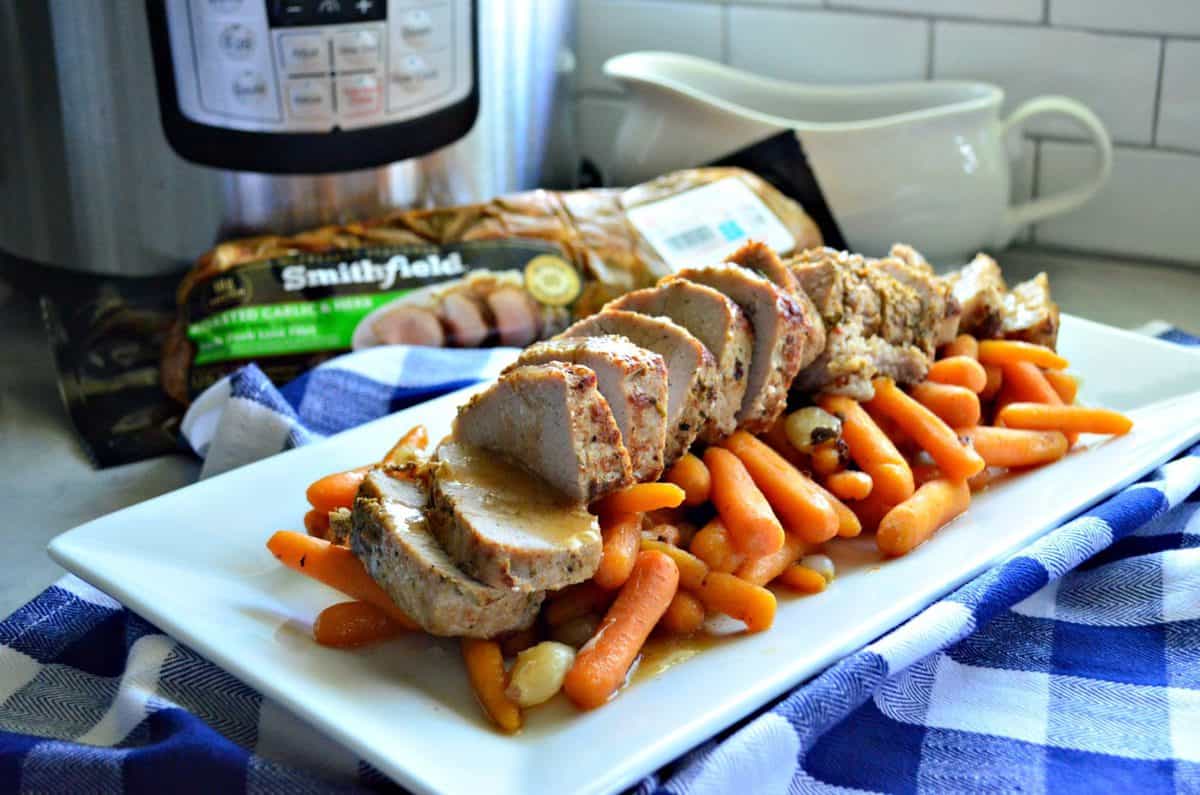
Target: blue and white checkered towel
<point>1073,666</point>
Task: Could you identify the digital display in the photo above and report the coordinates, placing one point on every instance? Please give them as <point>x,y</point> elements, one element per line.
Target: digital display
<point>295,13</point>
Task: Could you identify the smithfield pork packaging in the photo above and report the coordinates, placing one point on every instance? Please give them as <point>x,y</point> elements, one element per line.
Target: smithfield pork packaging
<point>508,272</point>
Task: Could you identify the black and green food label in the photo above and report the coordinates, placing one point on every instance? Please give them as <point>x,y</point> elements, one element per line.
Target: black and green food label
<point>304,303</point>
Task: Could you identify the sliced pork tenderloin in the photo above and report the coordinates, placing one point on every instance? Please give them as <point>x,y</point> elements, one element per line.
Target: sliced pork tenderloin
<point>634,382</point>
<point>788,334</point>
<point>719,324</point>
<point>873,321</point>
<point>552,420</point>
<point>979,289</point>
<point>762,259</point>
<point>391,536</point>
<point>507,528</point>
<point>693,383</point>
<point>1029,313</point>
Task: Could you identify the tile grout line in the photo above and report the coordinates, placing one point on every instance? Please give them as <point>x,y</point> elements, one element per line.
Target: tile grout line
<point>1156,111</point>
<point>930,43</point>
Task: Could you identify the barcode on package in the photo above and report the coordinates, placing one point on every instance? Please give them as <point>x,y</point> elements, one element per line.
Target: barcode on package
<point>691,238</point>
<point>704,225</point>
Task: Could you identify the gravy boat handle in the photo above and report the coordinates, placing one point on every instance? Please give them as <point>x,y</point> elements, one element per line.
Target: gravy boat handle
<point>1063,201</point>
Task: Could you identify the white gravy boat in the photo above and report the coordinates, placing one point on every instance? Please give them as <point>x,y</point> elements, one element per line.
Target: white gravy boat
<point>926,163</point>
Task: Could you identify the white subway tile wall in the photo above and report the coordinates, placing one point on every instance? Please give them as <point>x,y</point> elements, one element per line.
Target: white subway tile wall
<point>1169,17</point>
<point>611,27</point>
<point>1179,110</point>
<point>1113,75</point>
<point>1151,204</point>
<point>1024,10</point>
<point>1136,63</point>
<point>885,48</point>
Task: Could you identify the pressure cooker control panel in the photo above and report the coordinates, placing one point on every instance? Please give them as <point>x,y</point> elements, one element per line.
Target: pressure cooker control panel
<point>316,65</point>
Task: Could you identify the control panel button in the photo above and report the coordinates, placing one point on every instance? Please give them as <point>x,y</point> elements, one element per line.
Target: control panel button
<point>309,98</point>
<point>416,24</point>
<point>304,52</point>
<point>237,41</point>
<point>286,13</point>
<point>367,10</point>
<point>356,49</point>
<point>421,29</point>
<point>358,95</point>
<point>250,89</point>
<point>418,78</point>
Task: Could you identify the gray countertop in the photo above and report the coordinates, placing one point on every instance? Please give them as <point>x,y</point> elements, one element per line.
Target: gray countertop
<point>47,484</point>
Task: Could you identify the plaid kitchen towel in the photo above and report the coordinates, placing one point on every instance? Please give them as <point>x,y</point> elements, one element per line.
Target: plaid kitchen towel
<point>1073,666</point>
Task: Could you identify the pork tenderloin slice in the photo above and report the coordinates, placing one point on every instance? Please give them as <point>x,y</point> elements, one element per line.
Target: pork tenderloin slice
<point>762,259</point>
<point>508,528</point>
<point>788,334</point>
<point>552,420</point>
<point>692,378</point>
<point>1029,313</point>
<point>634,382</point>
<point>391,535</point>
<point>979,289</point>
<point>719,324</point>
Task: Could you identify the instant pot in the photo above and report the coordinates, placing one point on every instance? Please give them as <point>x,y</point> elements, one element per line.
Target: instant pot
<point>140,132</point>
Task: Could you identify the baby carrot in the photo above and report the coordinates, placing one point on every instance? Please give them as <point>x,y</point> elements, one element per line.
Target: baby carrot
<point>692,570</point>
<point>747,515</point>
<point>934,436</point>
<point>336,567</point>
<point>957,406</point>
<point>601,665</point>
<point>317,523</point>
<point>870,511</point>
<point>684,616</point>
<point>803,579</point>
<point>827,459</point>
<point>485,669</point>
<point>622,534</point>
<point>713,546</point>
<point>411,443</point>
<point>1002,351</point>
<point>1068,419</point>
<point>995,380</point>
<point>1012,447</point>
<point>690,474</point>
<point>1025,383</point>
<point>799,503</point>
<point>913,521</point>
<point>751,604</point>
<point>764,568</point>
<point>1066,385</point>
<point>871,449</point>
<point>963,345</point>
<point>962,371</point>
<point>336,491</point>
<point>641,497</point>
<point>347,625</point>
<point>849,485</point>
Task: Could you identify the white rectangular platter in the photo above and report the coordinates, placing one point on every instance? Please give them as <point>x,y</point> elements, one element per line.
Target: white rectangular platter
<point>194,563</point>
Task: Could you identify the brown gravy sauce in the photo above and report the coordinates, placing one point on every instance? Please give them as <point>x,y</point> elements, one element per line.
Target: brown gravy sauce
<point>508,494</point>
<point>664,653</point>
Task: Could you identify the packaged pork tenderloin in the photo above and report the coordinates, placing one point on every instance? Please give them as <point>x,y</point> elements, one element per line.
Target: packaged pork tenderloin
<point>508,272</point>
